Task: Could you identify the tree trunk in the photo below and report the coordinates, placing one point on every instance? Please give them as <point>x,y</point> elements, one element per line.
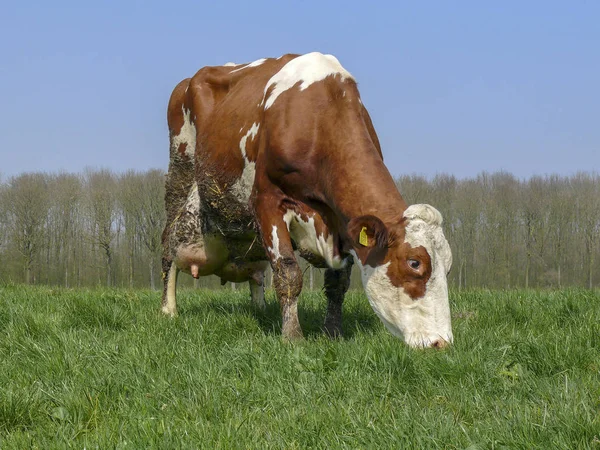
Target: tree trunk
<point>590,245</point>
<point>108,268</point>
<point>152,284</point>
<point>47,270</point>
<point>131,255</point>
<point>77,266</point>
<point>590,270</point>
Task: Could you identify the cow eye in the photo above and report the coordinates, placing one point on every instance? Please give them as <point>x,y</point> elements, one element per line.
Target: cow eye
<point>414,264</point>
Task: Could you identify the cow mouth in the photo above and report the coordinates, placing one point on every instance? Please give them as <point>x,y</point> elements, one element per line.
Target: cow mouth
<point>418,340</point>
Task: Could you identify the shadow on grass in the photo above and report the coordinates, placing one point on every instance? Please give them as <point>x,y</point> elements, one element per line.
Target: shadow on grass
<point>311,314</point>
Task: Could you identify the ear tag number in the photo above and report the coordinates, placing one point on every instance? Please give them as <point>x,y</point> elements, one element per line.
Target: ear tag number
<point>363,239</point>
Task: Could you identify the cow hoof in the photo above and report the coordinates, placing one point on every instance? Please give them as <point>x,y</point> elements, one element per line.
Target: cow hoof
<point>333,331</point>
<point>262,307</point>
<point>168,312</point>
<point>292,334</point>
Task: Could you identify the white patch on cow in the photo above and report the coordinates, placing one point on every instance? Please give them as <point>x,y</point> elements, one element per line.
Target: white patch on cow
<point>275,249</point>
<point>252,132</point>
<point>187,135</point>
<point>230,64</point>
<point>424,228</point>
<point>304,234</point>
<point>258,62</point>
<point>307,69</point>
<point>192,204</point>
<point>242,188</point>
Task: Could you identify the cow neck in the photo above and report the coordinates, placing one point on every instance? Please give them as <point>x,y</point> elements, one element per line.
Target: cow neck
<point>367,188</point>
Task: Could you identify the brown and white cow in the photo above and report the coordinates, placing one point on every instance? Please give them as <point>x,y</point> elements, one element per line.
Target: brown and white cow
<point>279,157</point>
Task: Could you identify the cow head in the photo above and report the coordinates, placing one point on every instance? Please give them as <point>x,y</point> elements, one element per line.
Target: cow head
<point>404,269</point>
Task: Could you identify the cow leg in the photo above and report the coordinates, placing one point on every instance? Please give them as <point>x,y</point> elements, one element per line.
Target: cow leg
<point>257,291</point>
<point>169,302</point>
<point>287,275</point>
<point>287,279</point>
<point>337,282</point>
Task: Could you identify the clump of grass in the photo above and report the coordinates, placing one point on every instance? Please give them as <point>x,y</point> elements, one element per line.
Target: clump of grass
<point>18,412</point>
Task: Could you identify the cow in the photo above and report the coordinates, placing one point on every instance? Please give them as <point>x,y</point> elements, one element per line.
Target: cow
<point>278,158</point>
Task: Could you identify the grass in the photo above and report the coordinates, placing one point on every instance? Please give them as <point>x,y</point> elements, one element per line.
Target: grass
<point>102,369</point>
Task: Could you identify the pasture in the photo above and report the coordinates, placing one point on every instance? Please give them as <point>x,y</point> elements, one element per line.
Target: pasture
<point>102,369</point>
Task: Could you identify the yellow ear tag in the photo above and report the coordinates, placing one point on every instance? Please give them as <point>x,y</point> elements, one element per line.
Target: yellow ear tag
<point>363,239</point>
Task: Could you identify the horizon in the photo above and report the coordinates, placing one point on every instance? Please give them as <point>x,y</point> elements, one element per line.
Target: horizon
<point>428,177</point>
<point>458,90</point>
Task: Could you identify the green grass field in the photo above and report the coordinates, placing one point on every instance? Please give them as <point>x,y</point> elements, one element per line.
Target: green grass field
<point>102,369</point>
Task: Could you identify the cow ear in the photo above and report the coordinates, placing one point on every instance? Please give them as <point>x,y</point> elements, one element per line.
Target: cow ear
<point>369,237</point>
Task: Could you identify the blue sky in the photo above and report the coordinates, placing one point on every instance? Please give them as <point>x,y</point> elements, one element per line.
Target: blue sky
<point>452,87</point>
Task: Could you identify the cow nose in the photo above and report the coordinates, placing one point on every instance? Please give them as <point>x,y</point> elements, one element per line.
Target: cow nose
<point>439,343</point>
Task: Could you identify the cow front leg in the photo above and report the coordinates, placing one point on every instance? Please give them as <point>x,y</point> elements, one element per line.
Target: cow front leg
<point>287,280</point>
<point>169,274</point>
<point>337,282</point>
<point>257,291</point>
<point>287,275</point>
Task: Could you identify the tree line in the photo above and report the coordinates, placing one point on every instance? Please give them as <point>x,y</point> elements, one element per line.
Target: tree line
<point>102,228</point>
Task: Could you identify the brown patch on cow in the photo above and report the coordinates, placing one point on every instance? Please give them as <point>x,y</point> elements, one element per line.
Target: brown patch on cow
<point>181,148</point>
<point>402,275</point>
<point>175,117</point>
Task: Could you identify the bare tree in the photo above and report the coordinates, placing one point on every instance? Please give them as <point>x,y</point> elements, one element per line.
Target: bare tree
<point>66,192</point>
<point>141,196</point>
<point>26,202</point>
<point>561,210</point>
<point>128,200</point>
<point>464,229</point>
<point>536,216</point>
<point>588,213</point>
<point>101,197</point>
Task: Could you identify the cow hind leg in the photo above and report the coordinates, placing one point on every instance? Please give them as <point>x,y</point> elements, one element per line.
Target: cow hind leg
<point>337,282</point>
<point>169,301</point>
<point>257,292</point>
